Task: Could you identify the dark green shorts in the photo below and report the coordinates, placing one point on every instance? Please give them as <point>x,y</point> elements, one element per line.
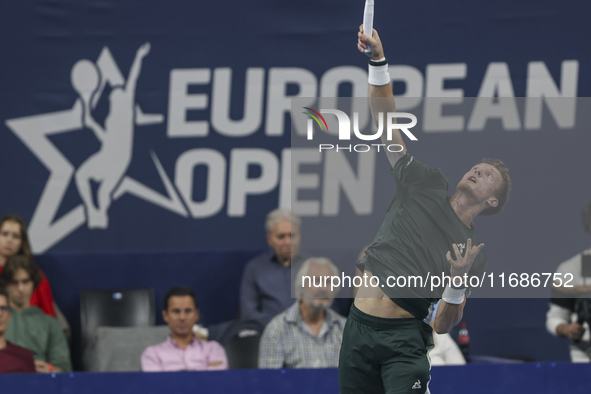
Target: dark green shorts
<point>381,355</point>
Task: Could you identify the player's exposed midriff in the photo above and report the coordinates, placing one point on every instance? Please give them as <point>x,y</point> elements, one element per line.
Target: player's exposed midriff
<point>374,302</point>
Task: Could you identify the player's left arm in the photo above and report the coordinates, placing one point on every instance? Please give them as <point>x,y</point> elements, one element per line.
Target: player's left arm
<point>448,316</point>
<point>451,308</point>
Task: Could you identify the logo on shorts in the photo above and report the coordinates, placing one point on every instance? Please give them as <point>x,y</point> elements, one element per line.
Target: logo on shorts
<point>417,385</point>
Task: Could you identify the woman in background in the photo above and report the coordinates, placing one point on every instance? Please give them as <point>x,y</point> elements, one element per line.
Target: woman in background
<point>14,240</point>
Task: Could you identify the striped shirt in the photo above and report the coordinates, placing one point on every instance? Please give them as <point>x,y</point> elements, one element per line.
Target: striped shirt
<point>288,342</point>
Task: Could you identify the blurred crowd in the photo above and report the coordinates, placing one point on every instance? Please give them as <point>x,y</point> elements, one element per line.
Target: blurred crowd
<point>282,323</point>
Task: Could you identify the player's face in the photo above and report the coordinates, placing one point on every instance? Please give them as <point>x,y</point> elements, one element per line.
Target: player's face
<point>319,295</point>
<point>284,239</point>
<point>181,315</point>
<point>4,314</point>
<point>482,182</point>
<point>10,239</point>
<point>20,288</point>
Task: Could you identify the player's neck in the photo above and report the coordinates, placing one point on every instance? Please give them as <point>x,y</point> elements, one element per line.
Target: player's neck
<point>2,342</point>
<point>464,208</point>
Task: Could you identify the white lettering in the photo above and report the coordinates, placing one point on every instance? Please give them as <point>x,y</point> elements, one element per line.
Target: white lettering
<point>541,88</point>
<point>438,96</point>
<point>216,180</point>
<point>496,86</point>
<point>279,103</point>
<point>179,101</point>
<point>339,174</point>
<point>241,185</point>
<point>253,103</point>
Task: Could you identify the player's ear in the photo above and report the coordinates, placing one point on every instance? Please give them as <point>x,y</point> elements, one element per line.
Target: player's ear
<point>493,202</point>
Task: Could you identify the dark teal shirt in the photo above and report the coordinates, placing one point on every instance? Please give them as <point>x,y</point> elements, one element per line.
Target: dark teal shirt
<point>419,229</point>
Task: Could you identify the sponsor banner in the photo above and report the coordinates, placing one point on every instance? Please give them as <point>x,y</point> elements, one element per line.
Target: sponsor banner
<point>131,126</point>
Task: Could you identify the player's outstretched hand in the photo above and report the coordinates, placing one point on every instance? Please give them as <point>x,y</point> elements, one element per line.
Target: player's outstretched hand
<point>373,42</point>
<point>461,264</point>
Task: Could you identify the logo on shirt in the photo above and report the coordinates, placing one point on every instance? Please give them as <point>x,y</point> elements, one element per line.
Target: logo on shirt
<point>461,247</point>
<point>417,385</point>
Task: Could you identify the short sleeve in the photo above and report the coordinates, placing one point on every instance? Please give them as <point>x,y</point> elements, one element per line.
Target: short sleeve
<point>410,172</point>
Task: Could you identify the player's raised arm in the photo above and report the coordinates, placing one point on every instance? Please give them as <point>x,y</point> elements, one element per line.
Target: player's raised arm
<point>381,98</point>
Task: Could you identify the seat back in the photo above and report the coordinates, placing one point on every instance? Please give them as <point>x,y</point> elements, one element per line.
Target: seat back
<point>241,341</point>
<point>119,349</point>
<point>116,308</point>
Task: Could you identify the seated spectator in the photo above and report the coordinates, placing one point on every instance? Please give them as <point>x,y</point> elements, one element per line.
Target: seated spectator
<point>445,351</point>
<point>15,241</point>
<point>183,351</point>
<point>13,359</point>
<point>308,334</point>
<point>266,283</point>
<point>29,327</point>
<point>568,313</point>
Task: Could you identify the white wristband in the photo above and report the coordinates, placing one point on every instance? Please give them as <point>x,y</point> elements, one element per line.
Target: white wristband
<point>378,75</point>
<point>453,296</point>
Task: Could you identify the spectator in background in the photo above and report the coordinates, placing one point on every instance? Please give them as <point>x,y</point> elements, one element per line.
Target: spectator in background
<point>183,351</point>
<point>15,241</point>
<point>308,334</point>
<point>29,327</point>
<point>446,351</point>
<point>266,284</point>
<point>570,308</point>
<point>13,359</point>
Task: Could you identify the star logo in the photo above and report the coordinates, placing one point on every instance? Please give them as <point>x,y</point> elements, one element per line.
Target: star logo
<point>107,166</point>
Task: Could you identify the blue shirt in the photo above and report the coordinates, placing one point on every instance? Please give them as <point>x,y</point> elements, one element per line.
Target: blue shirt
<point>267,287</point>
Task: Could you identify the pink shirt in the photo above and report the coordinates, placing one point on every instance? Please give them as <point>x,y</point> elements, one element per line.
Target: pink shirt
<point>197,356</point>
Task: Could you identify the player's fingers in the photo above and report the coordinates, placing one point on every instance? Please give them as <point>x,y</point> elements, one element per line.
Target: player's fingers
<point>469,244</point>
<point>374,37</point>
<point>478,248</point>
<point>361,28</point>
<point>448,256</point>
<point>457,251</point>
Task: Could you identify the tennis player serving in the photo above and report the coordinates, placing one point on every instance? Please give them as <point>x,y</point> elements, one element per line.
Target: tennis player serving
<point>425,231</point>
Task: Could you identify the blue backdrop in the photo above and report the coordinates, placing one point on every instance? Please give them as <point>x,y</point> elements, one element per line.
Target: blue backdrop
<point>192,152</point>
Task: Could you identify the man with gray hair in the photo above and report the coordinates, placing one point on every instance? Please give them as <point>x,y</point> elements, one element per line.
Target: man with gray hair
<point>266,283</point>
<point>308,334</point>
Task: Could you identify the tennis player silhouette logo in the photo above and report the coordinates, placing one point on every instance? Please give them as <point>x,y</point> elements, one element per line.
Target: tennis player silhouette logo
<point>109,165</point>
